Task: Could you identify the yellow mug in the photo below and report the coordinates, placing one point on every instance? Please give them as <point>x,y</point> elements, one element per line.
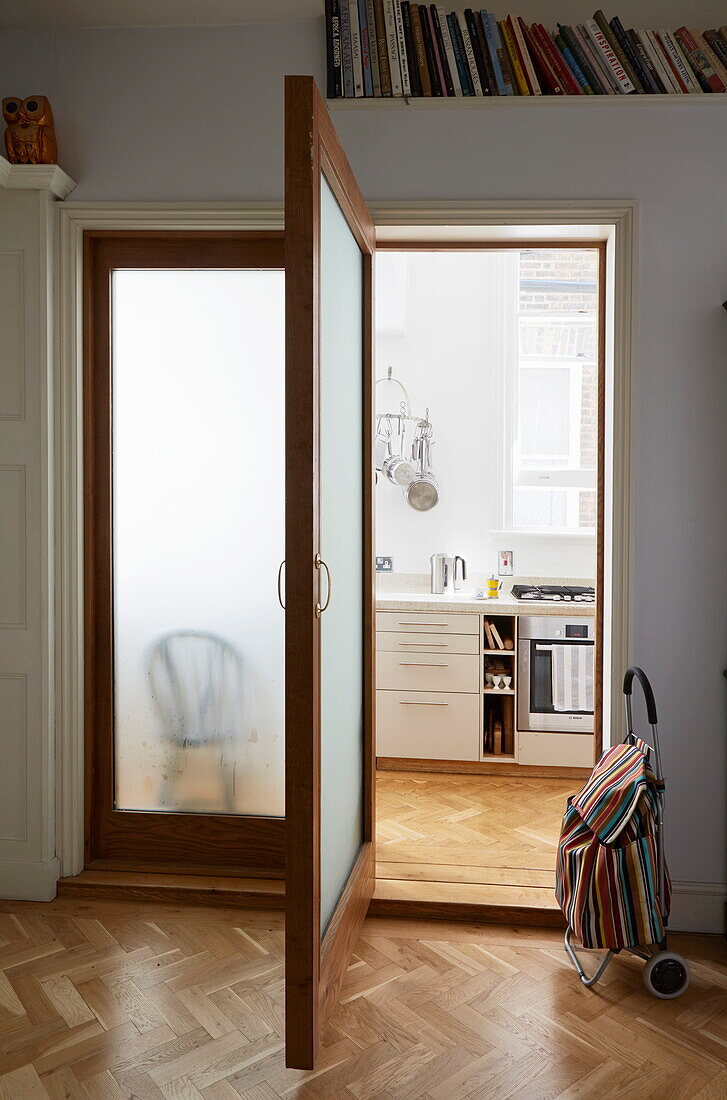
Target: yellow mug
<point>493,588</point>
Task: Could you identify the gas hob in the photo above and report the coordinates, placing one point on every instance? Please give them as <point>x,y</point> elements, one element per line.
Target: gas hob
<point>553,593</point>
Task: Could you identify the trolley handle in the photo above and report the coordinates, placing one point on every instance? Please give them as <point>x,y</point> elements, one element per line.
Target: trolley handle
<point>643,679</point>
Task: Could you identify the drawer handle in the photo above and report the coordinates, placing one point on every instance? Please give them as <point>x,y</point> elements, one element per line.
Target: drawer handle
<point>429,645</point>
<point>424,624</point>
<point>420,703</point>
<point>420,664</point>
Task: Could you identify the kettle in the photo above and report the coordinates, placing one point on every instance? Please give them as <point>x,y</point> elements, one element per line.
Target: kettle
<point>441,565</point>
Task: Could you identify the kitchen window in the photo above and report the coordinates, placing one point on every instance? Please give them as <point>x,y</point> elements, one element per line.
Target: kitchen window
<point>552,396</point>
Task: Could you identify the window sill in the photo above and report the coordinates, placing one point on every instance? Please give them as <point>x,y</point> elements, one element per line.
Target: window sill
<point>545,535</point>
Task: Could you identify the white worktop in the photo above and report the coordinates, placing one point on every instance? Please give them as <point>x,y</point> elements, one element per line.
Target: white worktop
<point>466,601</point>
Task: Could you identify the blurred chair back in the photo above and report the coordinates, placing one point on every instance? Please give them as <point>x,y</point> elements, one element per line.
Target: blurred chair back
<point>196,685</point>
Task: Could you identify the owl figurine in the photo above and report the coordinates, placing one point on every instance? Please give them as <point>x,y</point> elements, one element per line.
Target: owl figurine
<point>30,137</point>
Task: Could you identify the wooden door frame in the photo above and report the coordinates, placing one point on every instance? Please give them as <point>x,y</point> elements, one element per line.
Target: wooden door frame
<point>600,246</point>
<point>132,838</point>
<point>315,966</point>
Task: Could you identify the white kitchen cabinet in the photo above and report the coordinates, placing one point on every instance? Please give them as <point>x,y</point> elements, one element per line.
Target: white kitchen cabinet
<point>420,725</point>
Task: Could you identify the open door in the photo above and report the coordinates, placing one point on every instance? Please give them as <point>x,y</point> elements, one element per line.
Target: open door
<point>329,649</point>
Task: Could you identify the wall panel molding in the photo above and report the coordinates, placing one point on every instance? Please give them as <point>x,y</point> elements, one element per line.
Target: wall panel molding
<point>12,325</point>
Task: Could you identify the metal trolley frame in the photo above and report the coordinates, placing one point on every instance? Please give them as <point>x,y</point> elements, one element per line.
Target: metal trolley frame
<point>666,973</point>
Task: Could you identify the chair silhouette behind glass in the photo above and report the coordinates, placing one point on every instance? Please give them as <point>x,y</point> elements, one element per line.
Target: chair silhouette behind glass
<point>196,687</point>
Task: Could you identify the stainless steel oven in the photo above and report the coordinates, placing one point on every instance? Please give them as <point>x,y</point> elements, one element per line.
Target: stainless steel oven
<point>555,674</point>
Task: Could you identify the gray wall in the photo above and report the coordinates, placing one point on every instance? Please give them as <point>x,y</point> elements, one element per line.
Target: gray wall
<point>197,114</point>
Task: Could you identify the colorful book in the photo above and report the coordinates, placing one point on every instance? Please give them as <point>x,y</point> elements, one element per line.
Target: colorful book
<point>401,49</point>
<point>392,48</point>
<point>574,70</point>
<point>715,59</point>
<point>646,61</point>
<point>503,79</point>
<point>663,57</point>
<point>549,76</point>
<point>470,55</point>
<point>605,28</point>
<point>632,56</point>
<point>421,57</point>
<point>334,87</point>
<point>566,78</point>
<point>384,70</point>
<point>717,45</point>
<point>449,50</point>
<point>434,80</point>
<point>358,80</point>
<point>518,72</point>
<point>373,48</point>
<point>368,80</point>
<point>601,43</point>
<point>574,44</point>
<point>346,51</point>
<point>455,32</point>
<point>525,60</point>
<point>678,62</point>
<point>449,77</point>
<point>705,74</point>
<point>485,51</point>
<point>411,57</point>
<point>598,65</point>
<point>472,27</point>
<point>436,59</point>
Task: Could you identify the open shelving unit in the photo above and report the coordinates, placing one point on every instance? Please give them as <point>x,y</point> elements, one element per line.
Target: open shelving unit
<point>515,102</point>
<point>498,704</point>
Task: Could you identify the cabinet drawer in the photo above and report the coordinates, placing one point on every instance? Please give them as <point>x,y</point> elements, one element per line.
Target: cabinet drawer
<point>424,725</point>
<point>428,672</point>
<point>433,622</point>
<point>559,750</point>
<point>390,642</point>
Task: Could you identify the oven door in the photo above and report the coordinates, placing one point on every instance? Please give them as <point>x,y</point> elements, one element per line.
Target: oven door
<point>536,706</point>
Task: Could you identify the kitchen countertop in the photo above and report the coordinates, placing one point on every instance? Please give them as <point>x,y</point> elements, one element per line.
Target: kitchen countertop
<point>465,601</point>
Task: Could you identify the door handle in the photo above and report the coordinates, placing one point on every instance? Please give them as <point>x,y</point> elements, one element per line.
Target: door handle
<point>280,575</point>
<point>320,564</point>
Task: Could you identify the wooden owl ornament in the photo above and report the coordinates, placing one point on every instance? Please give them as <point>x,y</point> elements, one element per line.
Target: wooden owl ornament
<point>30,137</point>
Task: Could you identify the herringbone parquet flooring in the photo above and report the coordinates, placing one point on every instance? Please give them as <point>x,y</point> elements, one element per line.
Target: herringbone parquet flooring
<point>105,1000</point>
<point>496,830</point>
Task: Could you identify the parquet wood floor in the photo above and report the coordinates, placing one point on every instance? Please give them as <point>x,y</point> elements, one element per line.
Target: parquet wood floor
<point>469,829</point>
<point>105,1000</point>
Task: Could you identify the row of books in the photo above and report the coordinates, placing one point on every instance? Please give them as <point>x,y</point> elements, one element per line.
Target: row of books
<point>383,48</point>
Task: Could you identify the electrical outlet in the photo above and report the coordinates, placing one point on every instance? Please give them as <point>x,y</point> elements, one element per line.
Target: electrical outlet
<point>504,566</point>
<point>384,565</point>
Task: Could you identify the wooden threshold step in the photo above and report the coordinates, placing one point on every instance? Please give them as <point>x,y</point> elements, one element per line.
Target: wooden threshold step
<point>247,893</point>
<point>467,901</point>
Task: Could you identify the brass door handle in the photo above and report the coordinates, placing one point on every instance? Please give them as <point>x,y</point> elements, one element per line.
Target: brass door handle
<point>320,564</point>
<point>280,575</point>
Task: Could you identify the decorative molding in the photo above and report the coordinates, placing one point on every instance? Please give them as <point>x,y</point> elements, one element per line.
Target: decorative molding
<point>699,907</point>
<point>29,881</point>
<point>73,220</point>
<point>36,177</point>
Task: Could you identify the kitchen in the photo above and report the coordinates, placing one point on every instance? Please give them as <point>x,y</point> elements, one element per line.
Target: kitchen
<point>488,690</point>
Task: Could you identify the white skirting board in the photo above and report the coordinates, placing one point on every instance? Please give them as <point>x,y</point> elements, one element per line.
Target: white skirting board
<point>29,881</point>
<point>698,907</point>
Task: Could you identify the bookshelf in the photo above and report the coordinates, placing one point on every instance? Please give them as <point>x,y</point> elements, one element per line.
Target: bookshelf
<point>507,103</point>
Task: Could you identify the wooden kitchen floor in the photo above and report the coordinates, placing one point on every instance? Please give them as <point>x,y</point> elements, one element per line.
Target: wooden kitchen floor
<point>107,1000</point>
<point>468,838</point>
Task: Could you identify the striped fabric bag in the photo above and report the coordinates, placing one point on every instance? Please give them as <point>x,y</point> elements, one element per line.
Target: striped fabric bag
<point>607,871</point>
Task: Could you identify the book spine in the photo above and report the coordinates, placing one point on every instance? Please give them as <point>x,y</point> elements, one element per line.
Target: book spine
<point>646,61</point>
<point>449,79</point>
<point>470,55</point>
<point>419,48</point>
<point>381,50</point>
<point>574,45</point>
<point>514,57</point>
<point>391,47</point>
<point>602,22</point>
<point>712,54</point>
<point>666,62</point>
<point>631,55</point>
<point>623,83</point>
<point>485,50</point>
<point>598,64</point>
<point>548,72</point>
<point>429,52</point>
<point>679,63</point>
<point>491,45</point>
<point>455,33</point>
<point>449,51</point>
<point>435,50</point>
<point>569,60</point>
<point>330,79</point>
<point>717,46</point>
<point>568,83</point>
<point>373,48</point>
<point>723,33</point>
<point>358,80</point>
<point>346,51</point>
<point>411,57</point>
<point>656,60</point>
<point>477,51</point>
<point>497,51</point>
<point>706,75</point>
<point>365,56</point>
<point>694,84</point>
<point>525,59</point>
<point>401,46</point>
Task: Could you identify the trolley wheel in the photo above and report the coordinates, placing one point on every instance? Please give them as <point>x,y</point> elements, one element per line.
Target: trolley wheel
<point>666,975</point>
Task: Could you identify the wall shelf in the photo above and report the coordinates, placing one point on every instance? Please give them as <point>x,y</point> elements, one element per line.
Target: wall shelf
<point>510,102</point>
<point>499,652</point>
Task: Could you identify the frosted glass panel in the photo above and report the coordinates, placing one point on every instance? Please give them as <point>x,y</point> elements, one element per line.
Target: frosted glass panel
<point>198,459</point>
<point>341,541</point>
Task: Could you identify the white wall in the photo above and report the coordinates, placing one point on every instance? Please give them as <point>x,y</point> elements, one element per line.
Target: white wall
<point>189,114</point>
<point>444,323</point>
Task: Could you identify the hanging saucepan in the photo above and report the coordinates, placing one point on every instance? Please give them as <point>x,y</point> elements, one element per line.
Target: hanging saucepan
<point>422,492</point>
